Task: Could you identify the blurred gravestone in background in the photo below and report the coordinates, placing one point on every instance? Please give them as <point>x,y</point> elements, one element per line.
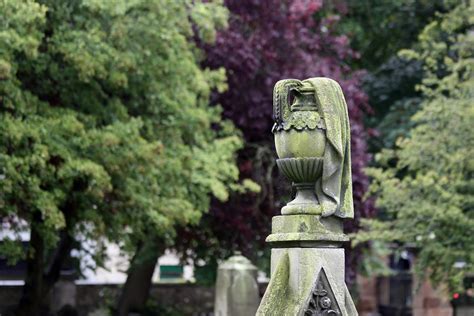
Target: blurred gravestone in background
<point>236,287</point>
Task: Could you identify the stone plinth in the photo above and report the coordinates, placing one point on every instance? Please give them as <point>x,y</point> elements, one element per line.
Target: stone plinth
<point>306,231</point>
<point>307,275</point>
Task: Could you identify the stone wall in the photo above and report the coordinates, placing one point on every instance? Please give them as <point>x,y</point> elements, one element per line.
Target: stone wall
<point>366,302</point>
<point>430,302</point>
<point>196,300</point>
<point>381,297</point>
<point>188,299</point>
<point>9,296</point>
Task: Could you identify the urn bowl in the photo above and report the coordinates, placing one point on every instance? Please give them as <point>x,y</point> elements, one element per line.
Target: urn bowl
<point>300,144</point>
<point>301,160</point>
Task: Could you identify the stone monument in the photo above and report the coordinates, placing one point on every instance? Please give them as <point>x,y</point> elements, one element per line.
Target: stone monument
<point>312,139</point>
<point>237,291</point>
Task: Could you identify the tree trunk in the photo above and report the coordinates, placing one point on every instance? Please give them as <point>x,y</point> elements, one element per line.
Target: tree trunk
<point>41,276</point>
<point>136,290</point>
<point>32,297</point>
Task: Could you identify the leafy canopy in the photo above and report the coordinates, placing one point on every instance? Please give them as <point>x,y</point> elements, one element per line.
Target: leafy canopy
<point>379,29</point>
<point>425,188</point>
<point>105,123</point>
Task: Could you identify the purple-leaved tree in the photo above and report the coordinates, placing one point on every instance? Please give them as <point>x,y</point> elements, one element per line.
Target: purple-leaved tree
<point>269,40</point>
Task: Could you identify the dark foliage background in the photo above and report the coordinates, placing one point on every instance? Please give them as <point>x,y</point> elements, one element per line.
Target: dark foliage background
<point>267,41</point>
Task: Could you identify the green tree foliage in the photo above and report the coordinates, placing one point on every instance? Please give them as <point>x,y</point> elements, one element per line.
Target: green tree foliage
<point>425,187</point>
<point>105,126</point>
<point>379,29</point>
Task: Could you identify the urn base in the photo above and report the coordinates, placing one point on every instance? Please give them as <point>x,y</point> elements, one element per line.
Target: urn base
<point>305,201</point>
<point>304,173</point>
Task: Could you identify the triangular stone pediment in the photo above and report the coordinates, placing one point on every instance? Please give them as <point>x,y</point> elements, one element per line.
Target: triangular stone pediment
<point>322,301</point>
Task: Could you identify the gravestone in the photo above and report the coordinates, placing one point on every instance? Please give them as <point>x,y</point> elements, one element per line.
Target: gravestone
<point>63,296</point>
<point>236,288</point>
<point>312,139</point>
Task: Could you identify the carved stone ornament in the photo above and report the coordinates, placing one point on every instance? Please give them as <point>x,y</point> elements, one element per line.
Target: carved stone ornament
<point>322,301</point>
<point>312,140</point>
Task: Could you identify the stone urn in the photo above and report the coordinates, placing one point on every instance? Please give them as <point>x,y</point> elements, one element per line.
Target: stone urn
<point>300,142</point>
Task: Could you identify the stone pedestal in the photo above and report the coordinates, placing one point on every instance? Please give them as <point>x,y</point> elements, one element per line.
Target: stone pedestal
<point>307,268</point>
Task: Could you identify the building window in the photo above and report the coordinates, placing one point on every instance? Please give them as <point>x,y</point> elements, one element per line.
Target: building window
<point>171,272</point>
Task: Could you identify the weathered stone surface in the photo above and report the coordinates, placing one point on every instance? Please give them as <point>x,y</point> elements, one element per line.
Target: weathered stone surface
<point>309,230</point>
<point>295,274</point>
<point>316,125</point>
<point>312,138</point>
<point>237,291</point>
<point>293,143</point>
